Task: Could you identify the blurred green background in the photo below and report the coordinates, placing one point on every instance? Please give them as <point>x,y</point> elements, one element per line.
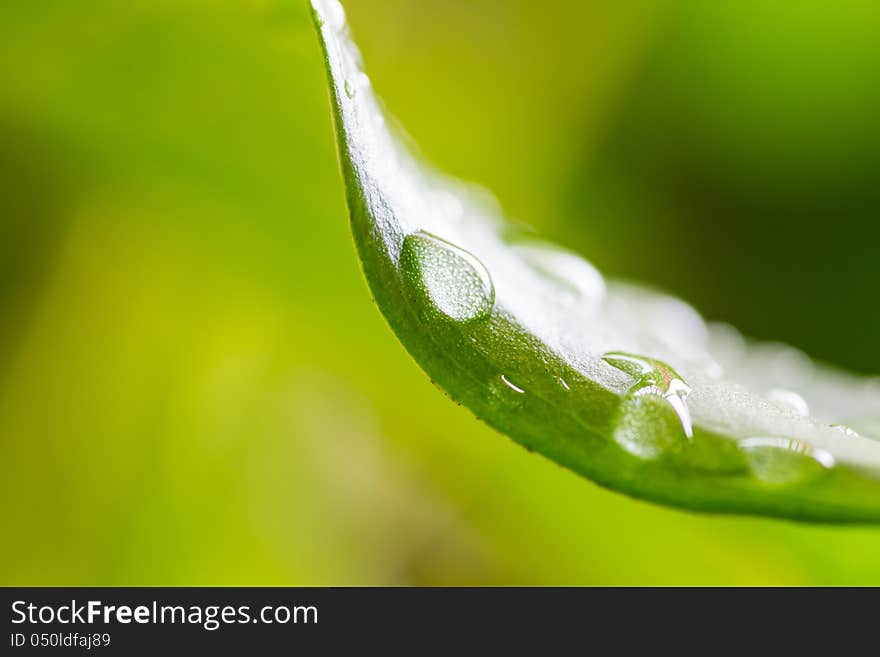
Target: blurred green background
<point>194,385</point>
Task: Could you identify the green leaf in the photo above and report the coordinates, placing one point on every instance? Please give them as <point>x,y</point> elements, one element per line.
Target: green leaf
<point>625,386</point>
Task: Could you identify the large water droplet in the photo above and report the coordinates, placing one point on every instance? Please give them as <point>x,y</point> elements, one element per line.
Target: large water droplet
<point>788,400</point>
<point>453,281</point>
<point>646,429</point>
<point>785,461</point>
<point>654,377</point>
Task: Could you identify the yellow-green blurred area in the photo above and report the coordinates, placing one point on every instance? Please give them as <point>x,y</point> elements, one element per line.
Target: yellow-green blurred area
<point>194,385</point>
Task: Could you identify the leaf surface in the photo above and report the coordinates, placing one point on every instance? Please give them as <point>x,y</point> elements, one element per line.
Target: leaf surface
<point>623,385</point>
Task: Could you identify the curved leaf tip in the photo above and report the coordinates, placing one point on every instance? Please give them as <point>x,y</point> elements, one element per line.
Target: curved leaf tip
<point>627,387</point>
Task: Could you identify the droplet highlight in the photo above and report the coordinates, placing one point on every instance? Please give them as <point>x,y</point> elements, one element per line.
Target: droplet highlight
<point>452,281</point>
<point>654,377</point>
<point>785,461</point>
<point>512,386</point>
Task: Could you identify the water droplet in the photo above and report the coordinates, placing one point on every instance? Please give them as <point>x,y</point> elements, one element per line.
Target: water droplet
<point>654,377</point>
<point>844,429</point>
<point>349,89</point>
<point>785,461</point>
<point>512,386</point>
<point>646,428</point>
<point>453,281</point>
<point>569,273</point>
<point>788,400</point>
<point>564,383</point>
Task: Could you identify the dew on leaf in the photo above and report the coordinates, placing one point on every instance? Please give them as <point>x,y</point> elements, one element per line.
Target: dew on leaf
<point>783,460</point>
<point>565,271</point>
<point>788,400</point>
<point>451,280</point>
<point>844,429</point>
<point>555,396</point>
<point>654,377</point>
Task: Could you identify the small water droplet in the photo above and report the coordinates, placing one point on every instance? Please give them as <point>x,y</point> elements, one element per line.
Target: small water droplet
<point>512,386</point>
<point>783,460</point>
<point>654,377</point>
<point>788,400</point>
<point>349,89</point>
<point>844,429</point>
<point>453,281</point>
<point>564,383</point>
<point>569,273</point>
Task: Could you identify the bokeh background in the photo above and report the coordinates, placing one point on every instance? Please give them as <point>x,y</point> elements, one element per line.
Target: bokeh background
<point>194,385</point>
